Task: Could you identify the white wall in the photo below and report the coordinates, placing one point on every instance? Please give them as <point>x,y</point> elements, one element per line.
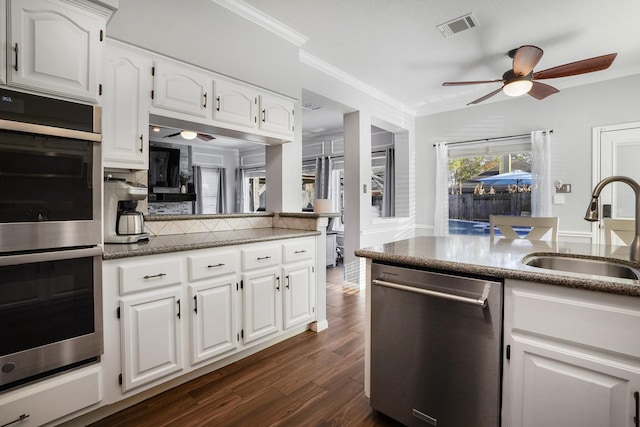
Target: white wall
<point>571,114</point>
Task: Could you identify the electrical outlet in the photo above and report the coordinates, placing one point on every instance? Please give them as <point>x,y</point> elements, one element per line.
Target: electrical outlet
<point>564,188</point>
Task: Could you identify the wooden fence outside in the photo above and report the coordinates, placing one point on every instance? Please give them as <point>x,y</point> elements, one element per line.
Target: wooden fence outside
<point>478,207</point>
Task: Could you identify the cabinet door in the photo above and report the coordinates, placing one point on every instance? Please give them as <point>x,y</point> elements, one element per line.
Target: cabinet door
<point>151,337</point>
<point>213,318</point>
<point>564,387</point>
<point>235,104</point>
<point>261,304</point>
<point>276,115</point>
<point>125,110</point>
<point>55,47</point>
<point>181,89</point>
<point>298,296</point>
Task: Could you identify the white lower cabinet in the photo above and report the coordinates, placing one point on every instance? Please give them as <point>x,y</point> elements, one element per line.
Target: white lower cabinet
<point>205,305</point>
<point>262,307</point>
<point>213,318</point>
<point>48,400</point>
<point>572,357</point>
<point>299,291</point>
<point>151,336</point>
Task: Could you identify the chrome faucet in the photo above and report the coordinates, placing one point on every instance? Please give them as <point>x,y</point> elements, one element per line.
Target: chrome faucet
<point>592,210</point>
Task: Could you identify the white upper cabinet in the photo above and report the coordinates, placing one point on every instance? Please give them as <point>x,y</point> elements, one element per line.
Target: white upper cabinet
<point>235,103</point>
<point>55,47</point>
<point>181,89</point>
<point>125,109</point>
<point>276,115</point>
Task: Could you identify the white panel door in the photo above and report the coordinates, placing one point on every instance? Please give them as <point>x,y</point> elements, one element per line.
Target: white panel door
<point>125,110</point>
<point>213,319</point>
<point>151,337</point>
<point>181,89</point>
<point>55,48</point>
<point>562,387</point>
<point>235,104</point>
<point>619,152</point>
<point>298,296</point>
<point>262,304</point>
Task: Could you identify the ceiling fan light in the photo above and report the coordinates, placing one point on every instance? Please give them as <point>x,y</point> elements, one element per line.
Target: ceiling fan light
<point>517,88</point>
<point>187,134</point>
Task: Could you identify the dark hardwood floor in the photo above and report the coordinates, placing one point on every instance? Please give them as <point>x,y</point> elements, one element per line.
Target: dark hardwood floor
<point>312,379</point>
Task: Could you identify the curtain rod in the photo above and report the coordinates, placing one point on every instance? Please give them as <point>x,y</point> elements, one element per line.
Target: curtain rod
<point>497,138</point>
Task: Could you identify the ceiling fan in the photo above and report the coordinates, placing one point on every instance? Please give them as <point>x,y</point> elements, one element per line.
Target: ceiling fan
<point>522,79</point>
<point>188,134</point>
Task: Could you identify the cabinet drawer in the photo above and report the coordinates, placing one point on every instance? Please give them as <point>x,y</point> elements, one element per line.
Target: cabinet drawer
<point>51,399</point>
<point>605,321</point>
<point>264,256</point>
<point>212,265</point>
<point>298,250</point>
<point>148,275</point>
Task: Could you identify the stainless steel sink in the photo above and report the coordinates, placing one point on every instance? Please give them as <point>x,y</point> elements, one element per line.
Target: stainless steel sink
<point>598,267</point>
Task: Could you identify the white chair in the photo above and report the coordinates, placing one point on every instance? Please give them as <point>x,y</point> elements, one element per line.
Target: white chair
<point>619,231</point>
<point>540,226</point>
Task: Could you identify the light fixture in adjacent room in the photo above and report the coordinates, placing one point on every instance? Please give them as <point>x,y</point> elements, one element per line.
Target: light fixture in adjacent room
<point>516,85</point>
<point>187,134</point>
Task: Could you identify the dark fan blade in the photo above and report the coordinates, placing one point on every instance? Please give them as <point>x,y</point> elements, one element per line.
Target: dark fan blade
<point>487,96</point>
<point>579,67</point>
<point>205,137</point>
<point>525,59</point>
<point>541,90</point>
<point>472,82</point>
<point>172,135</point>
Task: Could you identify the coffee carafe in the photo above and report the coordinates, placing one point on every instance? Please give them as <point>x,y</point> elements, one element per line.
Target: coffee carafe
<point>122,223</point>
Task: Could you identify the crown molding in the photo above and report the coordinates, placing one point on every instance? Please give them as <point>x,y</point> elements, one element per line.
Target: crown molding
<point>254,15</point>
<point>322,66</point>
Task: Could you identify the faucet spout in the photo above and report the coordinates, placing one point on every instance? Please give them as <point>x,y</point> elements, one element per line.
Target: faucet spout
<point>592,210</point>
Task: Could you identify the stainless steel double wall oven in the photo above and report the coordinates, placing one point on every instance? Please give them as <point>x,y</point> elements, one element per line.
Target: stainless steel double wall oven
<point>50,232</point>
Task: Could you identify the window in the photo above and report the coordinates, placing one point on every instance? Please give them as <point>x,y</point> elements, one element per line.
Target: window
<point>488,179</point>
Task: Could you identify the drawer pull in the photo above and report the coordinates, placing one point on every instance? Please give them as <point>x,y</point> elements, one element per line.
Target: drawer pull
<point>215,265</point>
<point>264,257</point>
<point>17,420</point>
<point>300,251</point>
<point>155,275</point>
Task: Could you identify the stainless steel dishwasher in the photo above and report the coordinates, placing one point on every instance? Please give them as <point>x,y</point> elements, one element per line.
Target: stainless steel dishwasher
<point>436,343</point>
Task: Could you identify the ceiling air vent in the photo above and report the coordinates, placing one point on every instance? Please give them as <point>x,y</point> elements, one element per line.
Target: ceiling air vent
<point>311,107</point>
<point>457,25</point>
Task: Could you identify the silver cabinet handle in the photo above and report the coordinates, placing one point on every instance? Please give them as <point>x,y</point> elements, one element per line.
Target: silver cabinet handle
<point>205,100</point>
<point>155,275</point>
<point>218,103</point>
<point>215,265</point>
<point>288,280</point>
<point>264,115</point>
<point>278,285</point>
<point>480,302</point>
<point>141,142</point>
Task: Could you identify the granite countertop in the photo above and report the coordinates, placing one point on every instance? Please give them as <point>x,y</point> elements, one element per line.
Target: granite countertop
<point>502,258</point>
<point>186,242</point>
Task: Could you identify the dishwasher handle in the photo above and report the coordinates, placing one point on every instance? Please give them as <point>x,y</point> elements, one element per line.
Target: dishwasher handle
<point>480,302</point>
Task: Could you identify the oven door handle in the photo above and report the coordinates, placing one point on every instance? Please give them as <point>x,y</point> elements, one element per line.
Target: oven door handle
<point>49,130</point>
<point>50,256</point>
<point>478,302</point>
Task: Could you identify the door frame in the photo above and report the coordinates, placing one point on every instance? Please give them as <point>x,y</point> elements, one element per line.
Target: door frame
<point>596,171</point>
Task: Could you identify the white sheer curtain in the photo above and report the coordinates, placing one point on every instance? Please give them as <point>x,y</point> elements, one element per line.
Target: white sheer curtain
<point>541,173</point>
<point>441,215</point>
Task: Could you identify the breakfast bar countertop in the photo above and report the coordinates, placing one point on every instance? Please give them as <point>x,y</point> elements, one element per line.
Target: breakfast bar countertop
<point>502,258</point>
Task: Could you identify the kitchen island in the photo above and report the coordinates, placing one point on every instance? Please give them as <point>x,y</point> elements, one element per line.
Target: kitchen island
<point>570,346</point>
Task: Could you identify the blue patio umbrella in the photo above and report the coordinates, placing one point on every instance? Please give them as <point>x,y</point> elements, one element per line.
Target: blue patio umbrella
<point>508,178</point>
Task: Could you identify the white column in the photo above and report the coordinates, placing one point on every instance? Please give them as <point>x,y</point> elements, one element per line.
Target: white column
<point>321,276</point>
